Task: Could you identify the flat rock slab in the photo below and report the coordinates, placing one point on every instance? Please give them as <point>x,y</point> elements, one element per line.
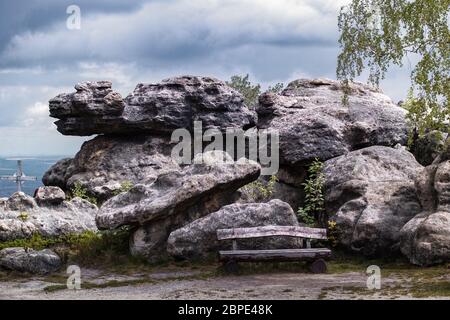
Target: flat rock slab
<point>29,260</point>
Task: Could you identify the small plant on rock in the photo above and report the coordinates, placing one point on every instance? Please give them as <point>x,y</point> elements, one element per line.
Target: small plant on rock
<point>314,208</point>
<point>79,191</point>
<point>23,216</point>
<point>260,191</point>
<point>125,186</point>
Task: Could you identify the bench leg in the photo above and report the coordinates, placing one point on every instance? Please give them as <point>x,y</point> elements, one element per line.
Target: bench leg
<point>318,266</point>
<point>231,266</point>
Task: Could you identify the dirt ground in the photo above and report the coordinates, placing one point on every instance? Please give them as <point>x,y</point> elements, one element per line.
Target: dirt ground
<point>206,283</point>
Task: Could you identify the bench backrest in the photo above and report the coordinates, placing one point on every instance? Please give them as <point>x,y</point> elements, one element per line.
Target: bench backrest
<point>270,231</point>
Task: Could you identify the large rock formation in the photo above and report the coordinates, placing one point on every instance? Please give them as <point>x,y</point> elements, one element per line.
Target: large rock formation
<point>425,240</point>
<point>199,238</point>
<point>152,108</point>
<point>105,163</point>
<point>314,123</point>
<point>176,198</point>
<point>29,260</point>
<point>21,216</point>
<point>372,195</point>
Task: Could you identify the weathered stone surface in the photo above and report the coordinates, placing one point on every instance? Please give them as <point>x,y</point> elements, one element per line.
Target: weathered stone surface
<point>59,173</point>
<point>18,220</point>
<point>425,239</point>
<point>19,201</point>
<point>313,122</point>
<point>157,108</point>
<point>29,260</point>
<point>177,190</point>
<point>199,238</point>
<point>150,240</point>
<point>442,186</point>
<point>264,190</point>
<point>104,163</point>
<point>373,195</point>
<point>49,196</point>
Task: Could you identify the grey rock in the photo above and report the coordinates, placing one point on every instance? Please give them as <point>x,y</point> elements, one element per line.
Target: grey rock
<point>175,199</point>
<point>18,221</point>
<point>176,191</point>
<point>20,201</point>
<point>29,260</point>
<point>199,238</point>
<point>59,173</point>
<point>264,190</point>
<point>425,239</point>
<point>156,108</point>
<point>442,186</point>
<point>372,195</point>
<point>49,196</point>
<point>105,163</point>
<point>314,123</point>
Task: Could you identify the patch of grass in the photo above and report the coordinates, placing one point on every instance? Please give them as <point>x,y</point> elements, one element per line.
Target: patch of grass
<point>80,191</point>
<point>125,186</point>
<point>87,248</point>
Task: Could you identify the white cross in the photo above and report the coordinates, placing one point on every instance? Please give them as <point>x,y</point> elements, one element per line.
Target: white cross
<point>19,177</point>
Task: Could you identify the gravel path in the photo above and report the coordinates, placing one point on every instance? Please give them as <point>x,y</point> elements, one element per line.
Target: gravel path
<point>175,285</point>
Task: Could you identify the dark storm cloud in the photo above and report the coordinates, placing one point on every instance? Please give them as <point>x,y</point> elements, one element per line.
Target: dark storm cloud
<point>19,16</point>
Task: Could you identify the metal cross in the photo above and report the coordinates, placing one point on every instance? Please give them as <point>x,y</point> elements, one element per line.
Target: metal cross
<point>19,177</point>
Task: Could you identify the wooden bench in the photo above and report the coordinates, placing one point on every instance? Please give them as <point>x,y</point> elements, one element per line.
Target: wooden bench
<point>315,256</point>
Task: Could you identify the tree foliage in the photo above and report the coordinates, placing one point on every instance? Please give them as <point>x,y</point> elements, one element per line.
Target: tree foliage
<point>243,85</point>
<point>376,34</point>
<point>251,91</point>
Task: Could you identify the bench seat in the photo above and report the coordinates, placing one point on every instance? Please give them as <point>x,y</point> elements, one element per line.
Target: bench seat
<point>275,255</point>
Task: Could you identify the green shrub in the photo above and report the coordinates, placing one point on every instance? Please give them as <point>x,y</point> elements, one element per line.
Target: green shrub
<point>260,191</point>
<point>79,191</point>
<point>314,209</point>
<point>125,186</point>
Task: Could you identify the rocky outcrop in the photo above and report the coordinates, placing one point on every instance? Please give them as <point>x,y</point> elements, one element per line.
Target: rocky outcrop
<point>45,196</point>
<point>425,240</point>
<point>29,260</point>
<point>199,238</point>
<point>21,217</point>
<point>105,163</point>
<point>152,108</point>
<point>314,123</point>
<point>373,195</point>
<point>176,198</point>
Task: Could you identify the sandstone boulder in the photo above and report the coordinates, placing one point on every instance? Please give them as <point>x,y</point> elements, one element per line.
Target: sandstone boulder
<point>314,123</point>
<point>105,163</point>
<point>49,196</point>
<point>199,238</point>
<point>371,195</point>
<point>156,108</point>
<point>176,198</point>
<point>29,260</point>
<point>19,220</point>
<point>425,239</point>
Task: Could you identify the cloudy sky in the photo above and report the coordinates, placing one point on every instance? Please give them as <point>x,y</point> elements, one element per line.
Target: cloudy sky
<point>146,41</point>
